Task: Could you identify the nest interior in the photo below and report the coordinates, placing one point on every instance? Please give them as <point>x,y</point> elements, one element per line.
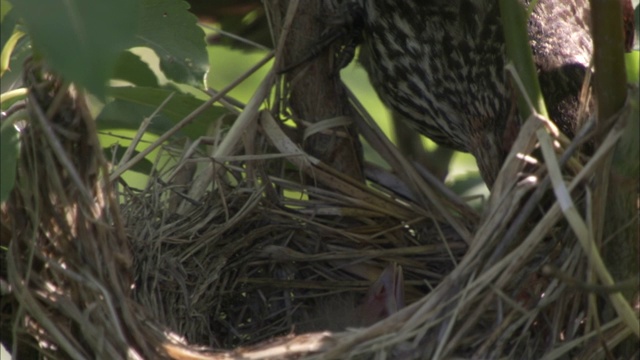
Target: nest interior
<point>259,258</point>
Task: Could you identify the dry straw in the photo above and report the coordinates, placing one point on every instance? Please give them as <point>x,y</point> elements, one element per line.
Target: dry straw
<point>236,249</point>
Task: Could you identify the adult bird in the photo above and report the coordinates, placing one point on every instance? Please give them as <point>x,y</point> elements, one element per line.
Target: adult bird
<point>440,65</point>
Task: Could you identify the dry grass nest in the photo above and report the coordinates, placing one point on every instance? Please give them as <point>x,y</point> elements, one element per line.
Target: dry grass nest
<point>235,249</point>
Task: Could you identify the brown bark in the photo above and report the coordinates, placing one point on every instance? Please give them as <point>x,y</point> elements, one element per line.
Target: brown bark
<point>314,91</point>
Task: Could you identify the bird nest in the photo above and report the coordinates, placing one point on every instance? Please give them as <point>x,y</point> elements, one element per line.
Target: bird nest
<point>254,250</point>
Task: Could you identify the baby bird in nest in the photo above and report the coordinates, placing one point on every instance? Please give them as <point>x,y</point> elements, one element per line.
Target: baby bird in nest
<point>337,313</point>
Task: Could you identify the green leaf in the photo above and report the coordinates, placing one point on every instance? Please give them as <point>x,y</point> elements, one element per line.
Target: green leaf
<point>9,22</point>
<point>5,7</point>
<point>171,31</point>
<point>133,104</point>
<point>632,61</point>
<point>9,149</point>
<point>12,77</point>
<point>7,50</point>
<point>80,39</point>
<point>514,24</point>
<point>10,97</point>
<point>132,69</point>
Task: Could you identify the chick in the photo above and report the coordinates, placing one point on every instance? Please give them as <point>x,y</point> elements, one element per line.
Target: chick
<point>336,313</point>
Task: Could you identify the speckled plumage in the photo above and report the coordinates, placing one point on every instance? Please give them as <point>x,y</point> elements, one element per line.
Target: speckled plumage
<point>440,65</point>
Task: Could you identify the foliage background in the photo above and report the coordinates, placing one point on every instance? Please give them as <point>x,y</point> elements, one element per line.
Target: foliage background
<point>167,53</point>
